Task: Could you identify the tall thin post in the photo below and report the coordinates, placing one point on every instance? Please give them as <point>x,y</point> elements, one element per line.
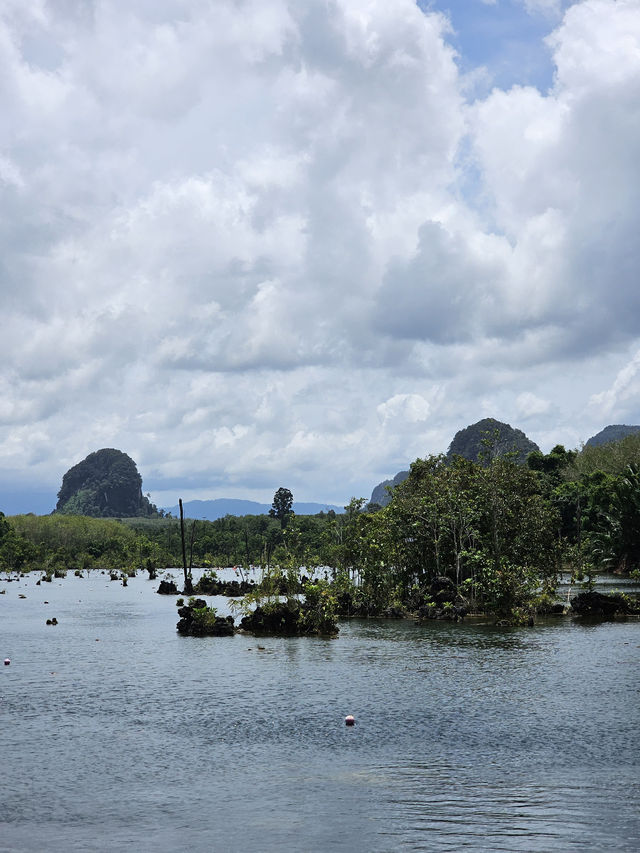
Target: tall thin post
<point>188,586</point>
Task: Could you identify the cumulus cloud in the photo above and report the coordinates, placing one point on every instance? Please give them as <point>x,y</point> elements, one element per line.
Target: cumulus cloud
<point>250,242</point>
<point>530,405</point>
<point>410,407</point>
<point>625,386</point>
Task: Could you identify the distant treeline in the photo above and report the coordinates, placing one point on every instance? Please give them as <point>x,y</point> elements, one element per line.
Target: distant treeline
<point>56,541</point>
<point>499,532</point>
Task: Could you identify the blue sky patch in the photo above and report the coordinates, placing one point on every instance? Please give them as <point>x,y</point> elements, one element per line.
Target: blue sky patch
<point>503,37</point>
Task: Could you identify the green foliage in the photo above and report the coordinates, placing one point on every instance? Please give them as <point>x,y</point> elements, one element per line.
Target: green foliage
<point>616,540</point>
<point>282,506</point>
<point>487,528</point>
<point>497,533</point>
<point>283,604</point>
<point>611,458</point>
<point>73,542</point>
<point>318,613</point>
<point>16,551</point>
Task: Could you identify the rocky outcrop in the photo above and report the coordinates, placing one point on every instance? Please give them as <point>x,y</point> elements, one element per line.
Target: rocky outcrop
<point>488,439</point>
<point>104,485</point>
<point>381,494</point>
<point>198,620</point>
<point>211,585</point>
<point>611,433</point>
<point>279,619</point>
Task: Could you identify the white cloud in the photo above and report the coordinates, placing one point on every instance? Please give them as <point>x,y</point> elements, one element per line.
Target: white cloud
<point>411,408</point>
<point>265,241</point>
<point>530,405</point>
<point>626,385</point>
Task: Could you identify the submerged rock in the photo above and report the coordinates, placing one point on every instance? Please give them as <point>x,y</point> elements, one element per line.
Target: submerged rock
<point>167,588</point>
<point>601,606</point>
<point>198,620</point>
<point>280,618</point>
<point>291,618</point>
<point>212,585</point>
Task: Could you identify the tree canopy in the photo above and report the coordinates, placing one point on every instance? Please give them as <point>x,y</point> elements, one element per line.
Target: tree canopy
<point>281,507</point>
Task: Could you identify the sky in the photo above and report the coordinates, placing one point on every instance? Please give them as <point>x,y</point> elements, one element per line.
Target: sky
<point>300,243</point>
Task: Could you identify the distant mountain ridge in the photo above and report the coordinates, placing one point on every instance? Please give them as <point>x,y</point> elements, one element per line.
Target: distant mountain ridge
<point>613,432</point>
<point>219,507</point>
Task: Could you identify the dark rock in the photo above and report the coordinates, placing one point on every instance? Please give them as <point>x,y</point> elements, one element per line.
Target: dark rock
<point>393,613</point>
<point>198,620</point>
<point>443,589</point>
<point>282,618</point>
<point>212,585</point>
<point>503,439</point>
<point>167,588</point>
<point>105,484</point>
<point>556,609</point>
<point>447,613</point>
<point>598,605</point>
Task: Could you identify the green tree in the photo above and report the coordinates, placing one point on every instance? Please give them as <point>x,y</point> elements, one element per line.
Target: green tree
<point>518,549</point>
<point>281,508</point>
<point>616,540</point>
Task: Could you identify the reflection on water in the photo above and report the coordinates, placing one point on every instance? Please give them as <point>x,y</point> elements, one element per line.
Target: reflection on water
<point>119,734</point>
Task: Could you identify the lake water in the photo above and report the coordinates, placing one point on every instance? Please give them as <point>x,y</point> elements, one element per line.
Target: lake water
<point>118,734</point>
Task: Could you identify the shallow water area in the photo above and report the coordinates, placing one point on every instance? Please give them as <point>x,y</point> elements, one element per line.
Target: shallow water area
<point>117,733</point>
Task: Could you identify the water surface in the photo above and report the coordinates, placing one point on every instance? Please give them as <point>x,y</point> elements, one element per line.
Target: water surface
<point>118,734</point>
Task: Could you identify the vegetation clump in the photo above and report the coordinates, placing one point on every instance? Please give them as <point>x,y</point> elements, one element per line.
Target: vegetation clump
<point>199,620</point>
<point>275,606</point>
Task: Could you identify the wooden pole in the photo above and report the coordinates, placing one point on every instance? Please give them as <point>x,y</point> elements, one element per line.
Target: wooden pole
<point>188,586</point>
